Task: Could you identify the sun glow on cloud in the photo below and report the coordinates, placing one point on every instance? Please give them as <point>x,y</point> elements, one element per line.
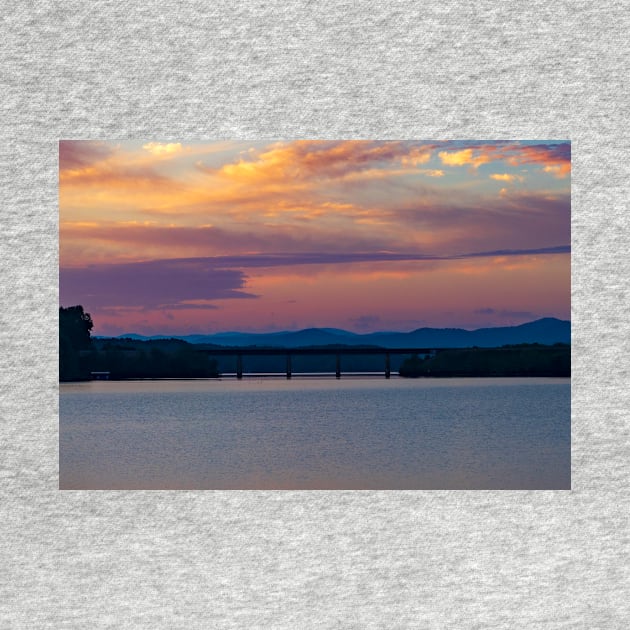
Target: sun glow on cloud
<point>507,177</point>
<point>558,170</point>
<point>157,148</point>
<point>243,219</point>
<point>463,157</point>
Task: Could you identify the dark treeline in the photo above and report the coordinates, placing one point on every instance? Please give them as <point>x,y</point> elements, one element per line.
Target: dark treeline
<point>168,358</point>
<point>518,360</point>
<point>80,355</point>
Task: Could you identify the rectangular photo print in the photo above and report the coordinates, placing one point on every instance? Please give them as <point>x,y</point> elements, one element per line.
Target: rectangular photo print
<point>315,315</point>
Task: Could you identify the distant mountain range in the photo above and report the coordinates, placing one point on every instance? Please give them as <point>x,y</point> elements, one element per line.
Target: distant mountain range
<point>548,330</point>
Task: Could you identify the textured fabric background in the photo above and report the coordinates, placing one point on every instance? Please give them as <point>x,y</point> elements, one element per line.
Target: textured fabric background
<point>385,70</point>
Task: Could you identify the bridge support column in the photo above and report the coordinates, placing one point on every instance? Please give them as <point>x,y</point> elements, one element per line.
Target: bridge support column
<point>387,365</point>
<point>338,367</point>
<point>239,366</point>
<point>288,366</point>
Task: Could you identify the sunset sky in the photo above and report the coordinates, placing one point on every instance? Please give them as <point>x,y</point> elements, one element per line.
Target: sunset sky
<point>181,237</point>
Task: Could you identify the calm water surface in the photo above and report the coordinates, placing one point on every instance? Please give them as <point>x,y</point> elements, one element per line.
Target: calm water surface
<point>352,433</point>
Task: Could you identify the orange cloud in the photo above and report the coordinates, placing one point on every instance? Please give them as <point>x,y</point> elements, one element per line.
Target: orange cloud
<point>555,158</point>
<point>298,196</point>
<point>307,159</point>
<point>92,173</point>
<point>416,156</point>
<point>463,157</point>
<point>375,174</point>
<point>507,177</point>
<point>286,177</point>
<point>559,170</point>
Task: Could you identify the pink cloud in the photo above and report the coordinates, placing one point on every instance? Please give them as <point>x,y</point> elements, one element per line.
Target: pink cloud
<point>75,154</point>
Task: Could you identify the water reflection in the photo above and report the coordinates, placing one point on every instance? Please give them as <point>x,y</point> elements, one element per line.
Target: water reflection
<point>351,433</point>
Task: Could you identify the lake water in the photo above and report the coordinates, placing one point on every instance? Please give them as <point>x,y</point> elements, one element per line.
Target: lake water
<point>317,433</point>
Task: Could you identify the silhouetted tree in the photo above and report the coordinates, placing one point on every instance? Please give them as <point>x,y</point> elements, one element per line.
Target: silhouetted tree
<point>76,325</point>
<point>74,335</point>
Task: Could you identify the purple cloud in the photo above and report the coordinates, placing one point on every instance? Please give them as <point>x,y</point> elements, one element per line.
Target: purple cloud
<point>325,258</point>
<point>520,220</point>
<point>193,283</point>
<point>151,284</point>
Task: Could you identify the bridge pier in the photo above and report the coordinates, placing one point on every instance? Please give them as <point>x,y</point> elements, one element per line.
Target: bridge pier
<point>328,351</point>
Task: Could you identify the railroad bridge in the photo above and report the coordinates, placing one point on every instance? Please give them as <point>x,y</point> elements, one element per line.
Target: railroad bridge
<point>337,352</point>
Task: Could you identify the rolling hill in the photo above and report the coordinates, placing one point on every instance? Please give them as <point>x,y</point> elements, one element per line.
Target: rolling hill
<point>545,331</point>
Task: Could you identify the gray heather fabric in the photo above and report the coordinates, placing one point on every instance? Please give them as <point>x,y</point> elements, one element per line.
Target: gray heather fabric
<point>430,70</point>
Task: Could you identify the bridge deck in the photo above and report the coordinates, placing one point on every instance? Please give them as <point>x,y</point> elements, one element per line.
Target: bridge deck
<point>289,353</point>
